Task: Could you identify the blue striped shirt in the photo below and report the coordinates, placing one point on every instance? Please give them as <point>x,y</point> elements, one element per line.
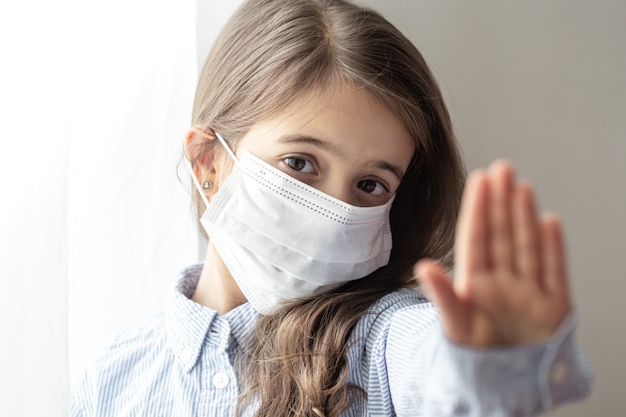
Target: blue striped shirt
<point>180,363</point>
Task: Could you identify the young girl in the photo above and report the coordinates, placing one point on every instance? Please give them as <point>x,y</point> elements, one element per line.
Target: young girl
<point>328,182</point>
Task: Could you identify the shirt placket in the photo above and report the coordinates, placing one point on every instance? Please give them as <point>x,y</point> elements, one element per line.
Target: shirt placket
<point>219,383</point>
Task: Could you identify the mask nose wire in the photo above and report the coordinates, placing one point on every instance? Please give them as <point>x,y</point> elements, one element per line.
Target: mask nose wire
<point>205,200</point>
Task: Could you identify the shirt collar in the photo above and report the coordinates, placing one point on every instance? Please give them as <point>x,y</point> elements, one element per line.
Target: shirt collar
<point>242,320</point>
<point>188,322</point>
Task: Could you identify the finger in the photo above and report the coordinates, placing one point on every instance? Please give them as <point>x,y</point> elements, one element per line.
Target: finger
<point>501,242</point>
<point>554,263</point>
<point>471,235</point>
<point>439,289</point>
<point>526,234</point>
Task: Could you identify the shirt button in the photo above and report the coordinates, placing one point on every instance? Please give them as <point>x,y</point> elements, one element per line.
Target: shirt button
<point>558,373</point>
<point>220,380</point>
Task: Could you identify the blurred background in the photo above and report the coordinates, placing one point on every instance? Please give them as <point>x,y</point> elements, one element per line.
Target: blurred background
<point>95,98</point>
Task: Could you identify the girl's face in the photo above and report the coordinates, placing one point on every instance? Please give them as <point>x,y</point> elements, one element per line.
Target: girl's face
<point>347,145</point>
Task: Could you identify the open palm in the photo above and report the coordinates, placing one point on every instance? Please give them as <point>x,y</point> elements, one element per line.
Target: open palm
<point>510,284</point>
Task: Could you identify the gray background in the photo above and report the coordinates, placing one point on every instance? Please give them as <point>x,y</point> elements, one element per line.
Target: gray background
<point>542,84</point>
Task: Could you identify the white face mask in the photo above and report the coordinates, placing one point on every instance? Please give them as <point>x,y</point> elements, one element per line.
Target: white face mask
<point>282,239</point>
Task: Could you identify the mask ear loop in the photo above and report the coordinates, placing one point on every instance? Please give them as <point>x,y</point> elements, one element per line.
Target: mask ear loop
<point>228,150</point>
<point>202,133</point>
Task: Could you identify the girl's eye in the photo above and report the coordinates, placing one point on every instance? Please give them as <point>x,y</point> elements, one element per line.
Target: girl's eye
<point>299,164</point>
<point>372,187</point>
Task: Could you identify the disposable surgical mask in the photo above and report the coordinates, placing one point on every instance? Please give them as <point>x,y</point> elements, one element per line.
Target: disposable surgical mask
<point>282,239</point>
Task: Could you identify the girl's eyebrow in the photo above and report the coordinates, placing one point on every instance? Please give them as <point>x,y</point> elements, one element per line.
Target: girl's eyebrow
<point>323,145</point>
<point>331,148</point>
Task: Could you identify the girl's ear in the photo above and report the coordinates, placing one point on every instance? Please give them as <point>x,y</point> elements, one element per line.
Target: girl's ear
<point>200,151</point>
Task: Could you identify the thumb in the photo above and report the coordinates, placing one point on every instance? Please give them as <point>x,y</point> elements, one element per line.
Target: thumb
<point>438,288</point>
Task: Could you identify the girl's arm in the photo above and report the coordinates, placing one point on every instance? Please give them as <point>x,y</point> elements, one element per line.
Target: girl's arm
<point>502,342</point>
<point>428,375</point>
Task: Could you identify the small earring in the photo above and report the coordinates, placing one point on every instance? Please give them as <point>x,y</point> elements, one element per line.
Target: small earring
<point>207,185</point>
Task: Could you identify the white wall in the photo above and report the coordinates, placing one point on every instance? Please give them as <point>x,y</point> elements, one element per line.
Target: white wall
<point>544,85</point>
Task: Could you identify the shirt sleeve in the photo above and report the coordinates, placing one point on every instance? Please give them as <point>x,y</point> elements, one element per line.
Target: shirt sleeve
<point>431,376</point>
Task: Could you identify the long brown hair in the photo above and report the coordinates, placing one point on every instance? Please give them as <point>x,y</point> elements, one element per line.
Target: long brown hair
<point>270,54</point>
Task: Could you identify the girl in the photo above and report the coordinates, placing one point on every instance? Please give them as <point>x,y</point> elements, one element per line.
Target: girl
<point>327,179</point>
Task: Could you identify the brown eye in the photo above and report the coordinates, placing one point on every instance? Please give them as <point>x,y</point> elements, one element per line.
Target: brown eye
<point>372,187</point>
<point>299,164</point>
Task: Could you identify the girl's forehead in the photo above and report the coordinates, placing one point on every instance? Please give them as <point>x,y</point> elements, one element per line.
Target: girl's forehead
<point>351,120</point>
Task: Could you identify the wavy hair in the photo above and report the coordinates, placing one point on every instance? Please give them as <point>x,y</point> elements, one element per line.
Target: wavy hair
<point>270,54</point>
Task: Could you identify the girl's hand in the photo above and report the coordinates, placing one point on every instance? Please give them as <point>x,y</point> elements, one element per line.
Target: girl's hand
<point>510,284</point>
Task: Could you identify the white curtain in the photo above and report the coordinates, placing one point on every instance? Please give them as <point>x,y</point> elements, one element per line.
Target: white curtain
<point>95,98</point>
<point>130,224</point>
